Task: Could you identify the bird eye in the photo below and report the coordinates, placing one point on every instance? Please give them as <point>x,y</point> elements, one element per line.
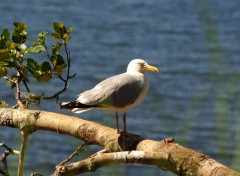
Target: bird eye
<point>142,64</point>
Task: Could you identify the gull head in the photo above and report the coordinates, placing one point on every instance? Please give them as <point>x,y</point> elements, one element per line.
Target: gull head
<point>141,66</point>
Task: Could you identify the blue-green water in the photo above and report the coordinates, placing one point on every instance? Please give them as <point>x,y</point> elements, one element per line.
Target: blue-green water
<point>195,98</point>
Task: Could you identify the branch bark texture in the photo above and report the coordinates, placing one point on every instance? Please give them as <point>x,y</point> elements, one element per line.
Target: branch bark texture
<point>119,149</point>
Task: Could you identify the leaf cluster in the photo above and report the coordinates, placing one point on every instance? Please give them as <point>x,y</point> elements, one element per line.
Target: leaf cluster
<point>3,104</point>
<point>17,64</point>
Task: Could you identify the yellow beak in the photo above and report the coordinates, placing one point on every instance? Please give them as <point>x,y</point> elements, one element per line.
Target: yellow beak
<point>151,68</point>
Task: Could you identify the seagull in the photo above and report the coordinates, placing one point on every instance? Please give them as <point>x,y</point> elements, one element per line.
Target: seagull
<point>118,93</point>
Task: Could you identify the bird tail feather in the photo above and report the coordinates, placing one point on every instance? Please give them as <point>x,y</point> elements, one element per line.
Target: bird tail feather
<point>75,106</point>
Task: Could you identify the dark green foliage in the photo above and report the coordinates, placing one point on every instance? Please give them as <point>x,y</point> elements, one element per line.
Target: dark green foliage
<point>61,32</point>
<point>19,34</point>
<point>5,37</point>
<point>17,59</point>
<point>12,53</point>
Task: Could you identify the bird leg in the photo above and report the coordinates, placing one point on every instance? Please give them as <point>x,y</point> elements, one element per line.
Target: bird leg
<point>118,131</point>
<point>124,123</point>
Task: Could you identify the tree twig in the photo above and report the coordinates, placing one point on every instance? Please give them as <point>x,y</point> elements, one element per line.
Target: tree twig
<point>23,149</point>
<point>65,81</point>
<point>76,152</point>
<point>18,95</point>
<point>26,86</point>
<point>4,156</point>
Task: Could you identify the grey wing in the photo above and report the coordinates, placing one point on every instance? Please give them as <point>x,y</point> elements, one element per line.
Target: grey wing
<point>127,93</point>
<point>116,91</point>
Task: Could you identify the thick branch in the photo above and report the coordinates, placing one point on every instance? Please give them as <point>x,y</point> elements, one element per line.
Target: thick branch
<point>100,159</point>
<point>171,157</point>
<point>174,158</point>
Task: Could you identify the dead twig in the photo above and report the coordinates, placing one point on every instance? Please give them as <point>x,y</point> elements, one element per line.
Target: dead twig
<point>76,152</point>
<point>3,158</point>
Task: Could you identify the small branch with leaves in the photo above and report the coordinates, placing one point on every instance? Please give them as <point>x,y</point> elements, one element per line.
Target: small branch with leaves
<point>16,60</point>
<point>68,76</point>
<point>18,67</point>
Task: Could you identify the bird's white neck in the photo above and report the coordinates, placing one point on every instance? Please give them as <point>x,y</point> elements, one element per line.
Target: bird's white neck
<point>134,71</point>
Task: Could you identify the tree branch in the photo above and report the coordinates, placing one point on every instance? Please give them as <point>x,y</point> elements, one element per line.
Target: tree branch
<point>23,149</point>
<point>18,94</point>
<point>3,158</point>
<point>101,159</point>
<point>65,81</point>
<point>169,155</point>
<point>76,152</point>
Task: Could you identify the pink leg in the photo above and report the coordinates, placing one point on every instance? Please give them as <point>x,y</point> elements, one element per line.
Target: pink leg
<point>124,123</point>
<point>118,131</point>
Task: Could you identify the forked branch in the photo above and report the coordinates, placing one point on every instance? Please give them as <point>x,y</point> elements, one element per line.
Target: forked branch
<point>165,154</point>
<point>64,80</point>
<point>3,158</point>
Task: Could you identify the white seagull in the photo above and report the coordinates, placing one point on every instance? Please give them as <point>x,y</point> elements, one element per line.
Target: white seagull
<point>117,93</point>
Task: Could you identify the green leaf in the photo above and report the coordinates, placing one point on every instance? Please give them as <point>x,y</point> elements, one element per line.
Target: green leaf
<point>60,32</point>
<point>34,49</point>
<point>4,55</point>
<point>3,104</point>
<point>67,36</point>
<point>57,47</point>
<point>41,72</point>
<point>59,64</point>
<point>44,77</point>
<point>56,36</point>
<point>7,64</point>
<point>6,59</point>
<point>19,34</point>
<point>11,46</point>
<point>60,60</point>
<point>59,28</point>
<point>31,63</point>
<point>58,69</point>
<point>46,67</point>
<point>5,35</point>
<point>4,64</point>
<point>57,59</point>
<point>42,38</point>
<point>3,71</point>
<point>5,39</point>
<point>69,31</point>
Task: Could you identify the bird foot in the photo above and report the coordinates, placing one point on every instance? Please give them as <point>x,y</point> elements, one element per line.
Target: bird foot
<point>121,132</point>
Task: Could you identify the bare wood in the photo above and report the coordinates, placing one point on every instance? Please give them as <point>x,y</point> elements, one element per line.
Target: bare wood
<point>23,149</point>
<point>165,154</point>
<point>101,159</point>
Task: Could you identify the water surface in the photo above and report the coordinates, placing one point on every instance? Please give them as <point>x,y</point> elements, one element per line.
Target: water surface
<point>194,98</point>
